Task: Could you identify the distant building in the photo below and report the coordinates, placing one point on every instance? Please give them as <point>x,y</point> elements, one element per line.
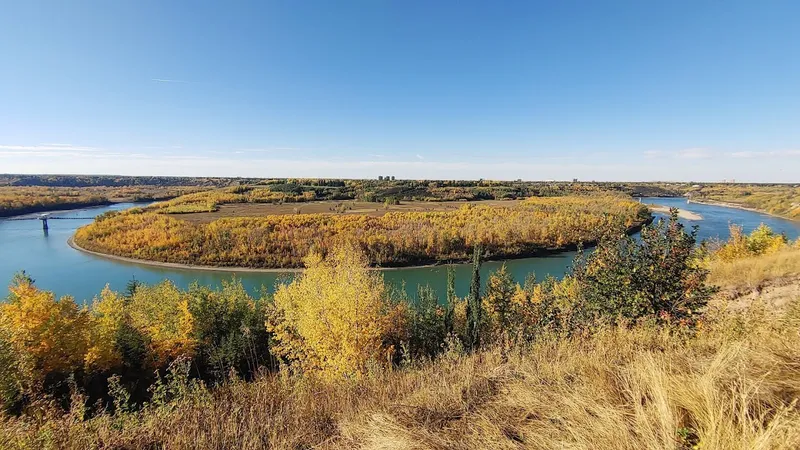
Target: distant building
<point>574,180</point>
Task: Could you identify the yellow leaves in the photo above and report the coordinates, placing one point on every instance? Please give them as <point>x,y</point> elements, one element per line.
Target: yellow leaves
<point>108,315</point>
<point>162,313</point>
<point>51,332</point>
<point>762,241</point>
<point>333,319</point>
<point>396,238</point>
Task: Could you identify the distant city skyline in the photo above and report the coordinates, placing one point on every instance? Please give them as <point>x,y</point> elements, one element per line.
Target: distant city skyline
<point>613,90</point>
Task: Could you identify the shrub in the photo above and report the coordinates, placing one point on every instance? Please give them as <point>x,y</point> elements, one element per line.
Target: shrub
<point>335,319</point>
<point>761,241</point>
<point>657,276</point>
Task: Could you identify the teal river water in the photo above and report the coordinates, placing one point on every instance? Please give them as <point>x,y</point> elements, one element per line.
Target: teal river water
<point>57,267</point>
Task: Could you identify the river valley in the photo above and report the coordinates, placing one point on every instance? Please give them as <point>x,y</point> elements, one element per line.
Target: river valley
<point>58,267</point>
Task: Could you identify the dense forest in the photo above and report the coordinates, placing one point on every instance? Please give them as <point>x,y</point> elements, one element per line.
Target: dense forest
<point>396,238</point>
<point>137,365</point>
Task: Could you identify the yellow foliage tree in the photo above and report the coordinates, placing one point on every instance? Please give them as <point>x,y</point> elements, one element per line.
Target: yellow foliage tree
<point>50,332</point>
<point>108,315</point>
<point>161,313</point>
<point>499,303</point>
<point>334,319</point>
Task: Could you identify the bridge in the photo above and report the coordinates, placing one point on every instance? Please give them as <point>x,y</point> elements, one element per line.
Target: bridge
<point>45,217</point>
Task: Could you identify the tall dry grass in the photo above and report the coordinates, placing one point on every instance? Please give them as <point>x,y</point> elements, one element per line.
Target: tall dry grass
<point>733,385</point>
<point>753,271</point>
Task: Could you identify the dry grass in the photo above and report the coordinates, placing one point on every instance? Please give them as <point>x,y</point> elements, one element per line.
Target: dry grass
<point>332,207</point>
<point>735,385</point>
<point>755,271</point>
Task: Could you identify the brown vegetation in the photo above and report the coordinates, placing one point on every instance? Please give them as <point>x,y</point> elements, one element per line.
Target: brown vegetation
<point>349,207</point>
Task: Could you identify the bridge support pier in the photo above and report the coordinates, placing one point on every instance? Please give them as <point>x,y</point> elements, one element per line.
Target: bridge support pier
<point>44,224</point>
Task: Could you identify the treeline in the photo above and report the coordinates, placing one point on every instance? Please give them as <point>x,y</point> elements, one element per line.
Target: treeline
<point>18,200</point>
<point>337,320</point>
<point>79,181</point>
<point>377,190</point>
<point>394,239</point>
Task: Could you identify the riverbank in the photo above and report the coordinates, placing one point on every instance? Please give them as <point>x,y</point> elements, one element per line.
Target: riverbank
<point>536,253</point>
<point>50,208</point>
<point>682,213</point>
<point>742,207</point>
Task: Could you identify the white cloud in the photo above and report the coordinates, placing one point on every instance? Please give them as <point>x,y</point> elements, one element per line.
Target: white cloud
<point>653,153</point>
<point>766,154</point>
<point>694,153</point>
<point>47,148</point>
<point>420,157</point>
<point>167,80</point>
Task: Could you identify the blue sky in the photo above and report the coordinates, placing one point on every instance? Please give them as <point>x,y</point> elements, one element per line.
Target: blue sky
<point>605,90</point>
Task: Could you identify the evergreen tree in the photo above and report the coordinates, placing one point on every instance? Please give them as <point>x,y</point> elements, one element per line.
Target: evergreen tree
<point>474,309</point>
<point>131,287</point>
<point>451,300</point>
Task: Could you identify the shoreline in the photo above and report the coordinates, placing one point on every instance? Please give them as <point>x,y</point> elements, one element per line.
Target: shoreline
<point>61,209</point>
<point>737,206</point>
<point>682,213</point>
<point>537,253</point>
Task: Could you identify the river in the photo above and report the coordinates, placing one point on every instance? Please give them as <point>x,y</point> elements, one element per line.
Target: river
<point>58,267</point>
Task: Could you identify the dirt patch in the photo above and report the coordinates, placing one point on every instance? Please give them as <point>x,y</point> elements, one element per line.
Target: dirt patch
<point>330,207</point>
<point>775,294</point>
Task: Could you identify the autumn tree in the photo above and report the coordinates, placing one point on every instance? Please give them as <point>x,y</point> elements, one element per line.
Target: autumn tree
<point>335,319</point>
<point>499,303</point>
<point>160,315</point>
<point>40,335</point>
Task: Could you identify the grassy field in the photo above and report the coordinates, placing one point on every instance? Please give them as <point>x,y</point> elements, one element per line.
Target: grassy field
<point>351,207</point>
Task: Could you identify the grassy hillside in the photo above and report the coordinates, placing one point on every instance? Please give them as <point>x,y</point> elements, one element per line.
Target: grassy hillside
<point>781,199</point>
<point>734,385</point>
<point>626,352</point>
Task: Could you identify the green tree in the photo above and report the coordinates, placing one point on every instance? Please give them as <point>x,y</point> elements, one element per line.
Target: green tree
<point>499,302</point>
<point>659,275</point>
<point>451,300</point>
<point>429,327</point>
<point>474,307</point>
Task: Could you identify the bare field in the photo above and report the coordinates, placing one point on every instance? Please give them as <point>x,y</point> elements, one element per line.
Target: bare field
<point>330,207</point>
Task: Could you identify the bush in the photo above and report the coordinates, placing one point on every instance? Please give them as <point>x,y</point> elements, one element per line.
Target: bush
<point>657,276</point>
<point>335,320</point>
<point>761,241</point>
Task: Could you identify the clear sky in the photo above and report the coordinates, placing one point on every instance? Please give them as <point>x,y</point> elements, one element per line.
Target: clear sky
<point>605,90</point>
